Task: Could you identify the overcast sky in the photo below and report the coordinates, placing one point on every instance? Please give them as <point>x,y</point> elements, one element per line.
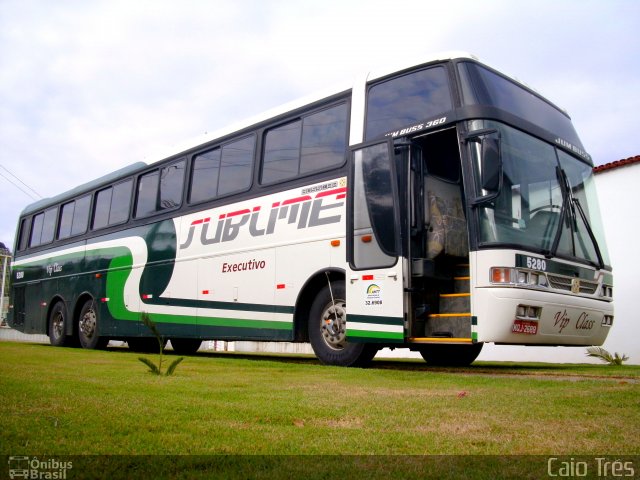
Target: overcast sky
<point>87,87</point>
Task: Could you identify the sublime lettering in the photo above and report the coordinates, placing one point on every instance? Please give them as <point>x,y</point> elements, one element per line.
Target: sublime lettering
<point>304,211</point>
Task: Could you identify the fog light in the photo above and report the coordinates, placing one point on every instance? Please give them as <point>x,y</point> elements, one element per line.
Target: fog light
<point>528,311</point>
<point>607,321</point>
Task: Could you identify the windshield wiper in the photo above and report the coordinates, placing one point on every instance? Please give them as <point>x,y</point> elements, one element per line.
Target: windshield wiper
<point>568,214</point>
<point>589,231</point>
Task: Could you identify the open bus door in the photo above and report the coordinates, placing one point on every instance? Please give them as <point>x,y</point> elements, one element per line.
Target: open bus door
<point>374,280</point>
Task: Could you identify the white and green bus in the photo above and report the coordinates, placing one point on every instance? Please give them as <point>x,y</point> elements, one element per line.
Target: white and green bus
<point>435,208</point>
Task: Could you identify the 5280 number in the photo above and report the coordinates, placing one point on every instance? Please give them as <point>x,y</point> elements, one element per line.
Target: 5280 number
<point>537,264</point>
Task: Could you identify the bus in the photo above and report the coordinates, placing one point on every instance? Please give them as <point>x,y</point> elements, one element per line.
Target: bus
<point>448,205</point>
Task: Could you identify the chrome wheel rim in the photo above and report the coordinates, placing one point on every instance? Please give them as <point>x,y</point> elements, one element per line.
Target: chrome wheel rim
<point>88,324</point>
<point>333,328</point>
<point>57,324</point>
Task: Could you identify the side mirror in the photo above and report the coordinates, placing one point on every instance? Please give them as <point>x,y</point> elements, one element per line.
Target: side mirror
<point>491,164</point>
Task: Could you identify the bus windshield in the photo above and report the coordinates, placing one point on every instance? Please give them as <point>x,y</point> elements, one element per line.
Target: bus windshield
<point>481,86</point>
<point>546,202</point>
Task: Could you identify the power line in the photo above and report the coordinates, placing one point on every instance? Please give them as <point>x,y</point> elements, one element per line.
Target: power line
<point>17,178</point>
<point>18,186</point>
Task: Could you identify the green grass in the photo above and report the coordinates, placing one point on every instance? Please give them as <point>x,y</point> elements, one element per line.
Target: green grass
<point>59,401</point>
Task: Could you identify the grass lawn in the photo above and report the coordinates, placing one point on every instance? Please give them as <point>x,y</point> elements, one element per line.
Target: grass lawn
<point>59,401</point>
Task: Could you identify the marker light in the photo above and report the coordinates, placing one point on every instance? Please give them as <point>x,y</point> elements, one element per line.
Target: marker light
<point>501,275</point>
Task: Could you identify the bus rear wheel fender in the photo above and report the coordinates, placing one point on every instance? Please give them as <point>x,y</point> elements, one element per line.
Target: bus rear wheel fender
<point>89,327</point>
<point>58,321</point>
<point>327,330</point>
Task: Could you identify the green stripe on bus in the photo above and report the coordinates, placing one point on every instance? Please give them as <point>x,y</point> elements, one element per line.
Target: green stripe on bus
<point>364,335</point>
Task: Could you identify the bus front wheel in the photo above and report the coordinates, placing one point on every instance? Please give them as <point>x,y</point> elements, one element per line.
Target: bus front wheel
<point>327,330</point>
<point>88,328</point>
<point>447,355</point>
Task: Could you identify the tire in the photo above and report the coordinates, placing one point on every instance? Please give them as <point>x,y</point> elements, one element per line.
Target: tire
<point>186,346</point>
<point>327,330</point>
<point>451,355</point>
<point>144,344</point>
<point>58,321</point>
<point>88,328</point>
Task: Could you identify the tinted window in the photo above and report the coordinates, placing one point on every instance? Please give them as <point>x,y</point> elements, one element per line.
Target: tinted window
<point>66,219</point>
<point>43,227</point>
<point>171,185</point>
<point>36,230</point>
<point>483,87</point>
<point>74,217</point>
<point>160,190</point>
<point>81,215</point>
<point>237,166</point>
<point>120,202</point>
<point>103,205</point>
<point>49,225</point>
<point>22,243</point>
<point>315,143</point>
<point>204,176</point>
<point>282,152</point>
<point>324,138</point>
<point>406,100</point>
<point>147,194</point>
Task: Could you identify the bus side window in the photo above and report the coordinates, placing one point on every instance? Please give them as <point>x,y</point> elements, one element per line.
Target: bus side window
<point>282,152</point>
<point>23,236</point>
<point>160,189</point>
<point>43,227</point>
<point>314,143</point>
<point>204,176</point>
<point>236,167</point>
<point>407,99</point>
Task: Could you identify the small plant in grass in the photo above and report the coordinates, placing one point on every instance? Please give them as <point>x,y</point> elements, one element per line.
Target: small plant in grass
<point>601,354</point>
<point>153,368</point>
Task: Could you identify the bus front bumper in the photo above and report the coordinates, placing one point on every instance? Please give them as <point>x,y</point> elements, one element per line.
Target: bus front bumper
<point>528,317</point>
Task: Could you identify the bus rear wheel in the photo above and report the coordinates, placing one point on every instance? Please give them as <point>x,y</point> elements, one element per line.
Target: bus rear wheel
<point>88,328</point>
<point>186,346</point>
<point>58,326</point>
<point>327,330</point>
<point>450,355</point>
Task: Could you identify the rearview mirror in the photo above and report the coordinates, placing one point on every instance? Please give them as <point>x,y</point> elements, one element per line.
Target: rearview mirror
<point>491,164</point>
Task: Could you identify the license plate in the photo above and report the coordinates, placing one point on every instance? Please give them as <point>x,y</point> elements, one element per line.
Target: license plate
<point>527,327</point>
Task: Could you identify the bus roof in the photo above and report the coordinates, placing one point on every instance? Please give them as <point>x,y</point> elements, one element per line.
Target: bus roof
<point>85,187</point>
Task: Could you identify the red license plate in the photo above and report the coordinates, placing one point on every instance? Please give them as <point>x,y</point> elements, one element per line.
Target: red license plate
<point>527,327</point>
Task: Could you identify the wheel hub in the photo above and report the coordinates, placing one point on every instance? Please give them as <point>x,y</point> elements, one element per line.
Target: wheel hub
<point>333,327</point>
<point>88,324</point>
<point>58,325</point>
